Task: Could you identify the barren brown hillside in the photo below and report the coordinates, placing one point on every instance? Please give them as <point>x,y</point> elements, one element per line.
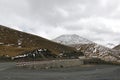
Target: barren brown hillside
<point>13,42</point>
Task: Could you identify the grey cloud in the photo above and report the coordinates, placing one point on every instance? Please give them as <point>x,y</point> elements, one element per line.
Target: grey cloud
<point>97,20</point>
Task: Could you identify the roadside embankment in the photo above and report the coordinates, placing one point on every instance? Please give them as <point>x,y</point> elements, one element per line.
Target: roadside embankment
<point>51,64</point>
<point>61,63</point>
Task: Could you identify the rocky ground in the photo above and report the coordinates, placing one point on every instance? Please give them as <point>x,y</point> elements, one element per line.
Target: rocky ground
<point>8,71</point>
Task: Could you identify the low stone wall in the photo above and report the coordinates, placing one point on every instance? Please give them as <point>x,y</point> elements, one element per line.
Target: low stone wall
<point>51,64</point>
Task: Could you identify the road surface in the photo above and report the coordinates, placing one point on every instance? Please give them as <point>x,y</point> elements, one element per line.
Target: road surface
<point>8,71</point>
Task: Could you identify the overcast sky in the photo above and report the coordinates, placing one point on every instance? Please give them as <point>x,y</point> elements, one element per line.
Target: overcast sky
<point>97,20</point>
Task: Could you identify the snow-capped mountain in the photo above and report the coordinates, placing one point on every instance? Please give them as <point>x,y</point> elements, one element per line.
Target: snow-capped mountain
<point>70,39</point>
<point>89,48</point>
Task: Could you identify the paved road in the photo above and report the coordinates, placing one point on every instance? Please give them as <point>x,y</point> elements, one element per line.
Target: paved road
<point>96,72</point>
<point>6,65</point>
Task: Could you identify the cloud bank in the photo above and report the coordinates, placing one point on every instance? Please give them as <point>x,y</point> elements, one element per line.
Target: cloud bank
<point>97,20</point>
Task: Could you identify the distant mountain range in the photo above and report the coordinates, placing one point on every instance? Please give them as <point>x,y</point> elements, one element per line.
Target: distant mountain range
<point>89,48</point>
<point>13,42</point>
<point>72,39</point>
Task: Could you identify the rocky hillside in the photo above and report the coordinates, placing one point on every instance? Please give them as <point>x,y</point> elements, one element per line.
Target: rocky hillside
<point>42,54</point>
<point>117,47</point>
<point>13,42</point>
<point>98,51</point>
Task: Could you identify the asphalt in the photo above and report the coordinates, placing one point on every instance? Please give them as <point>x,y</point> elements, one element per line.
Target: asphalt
<point>8,71</point>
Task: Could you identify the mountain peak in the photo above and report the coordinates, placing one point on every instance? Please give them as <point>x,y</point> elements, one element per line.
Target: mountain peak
<point>69,39</point>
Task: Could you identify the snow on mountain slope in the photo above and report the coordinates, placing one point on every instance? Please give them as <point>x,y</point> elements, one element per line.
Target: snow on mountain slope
<point>99,51</point>
<point>71,39</point>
